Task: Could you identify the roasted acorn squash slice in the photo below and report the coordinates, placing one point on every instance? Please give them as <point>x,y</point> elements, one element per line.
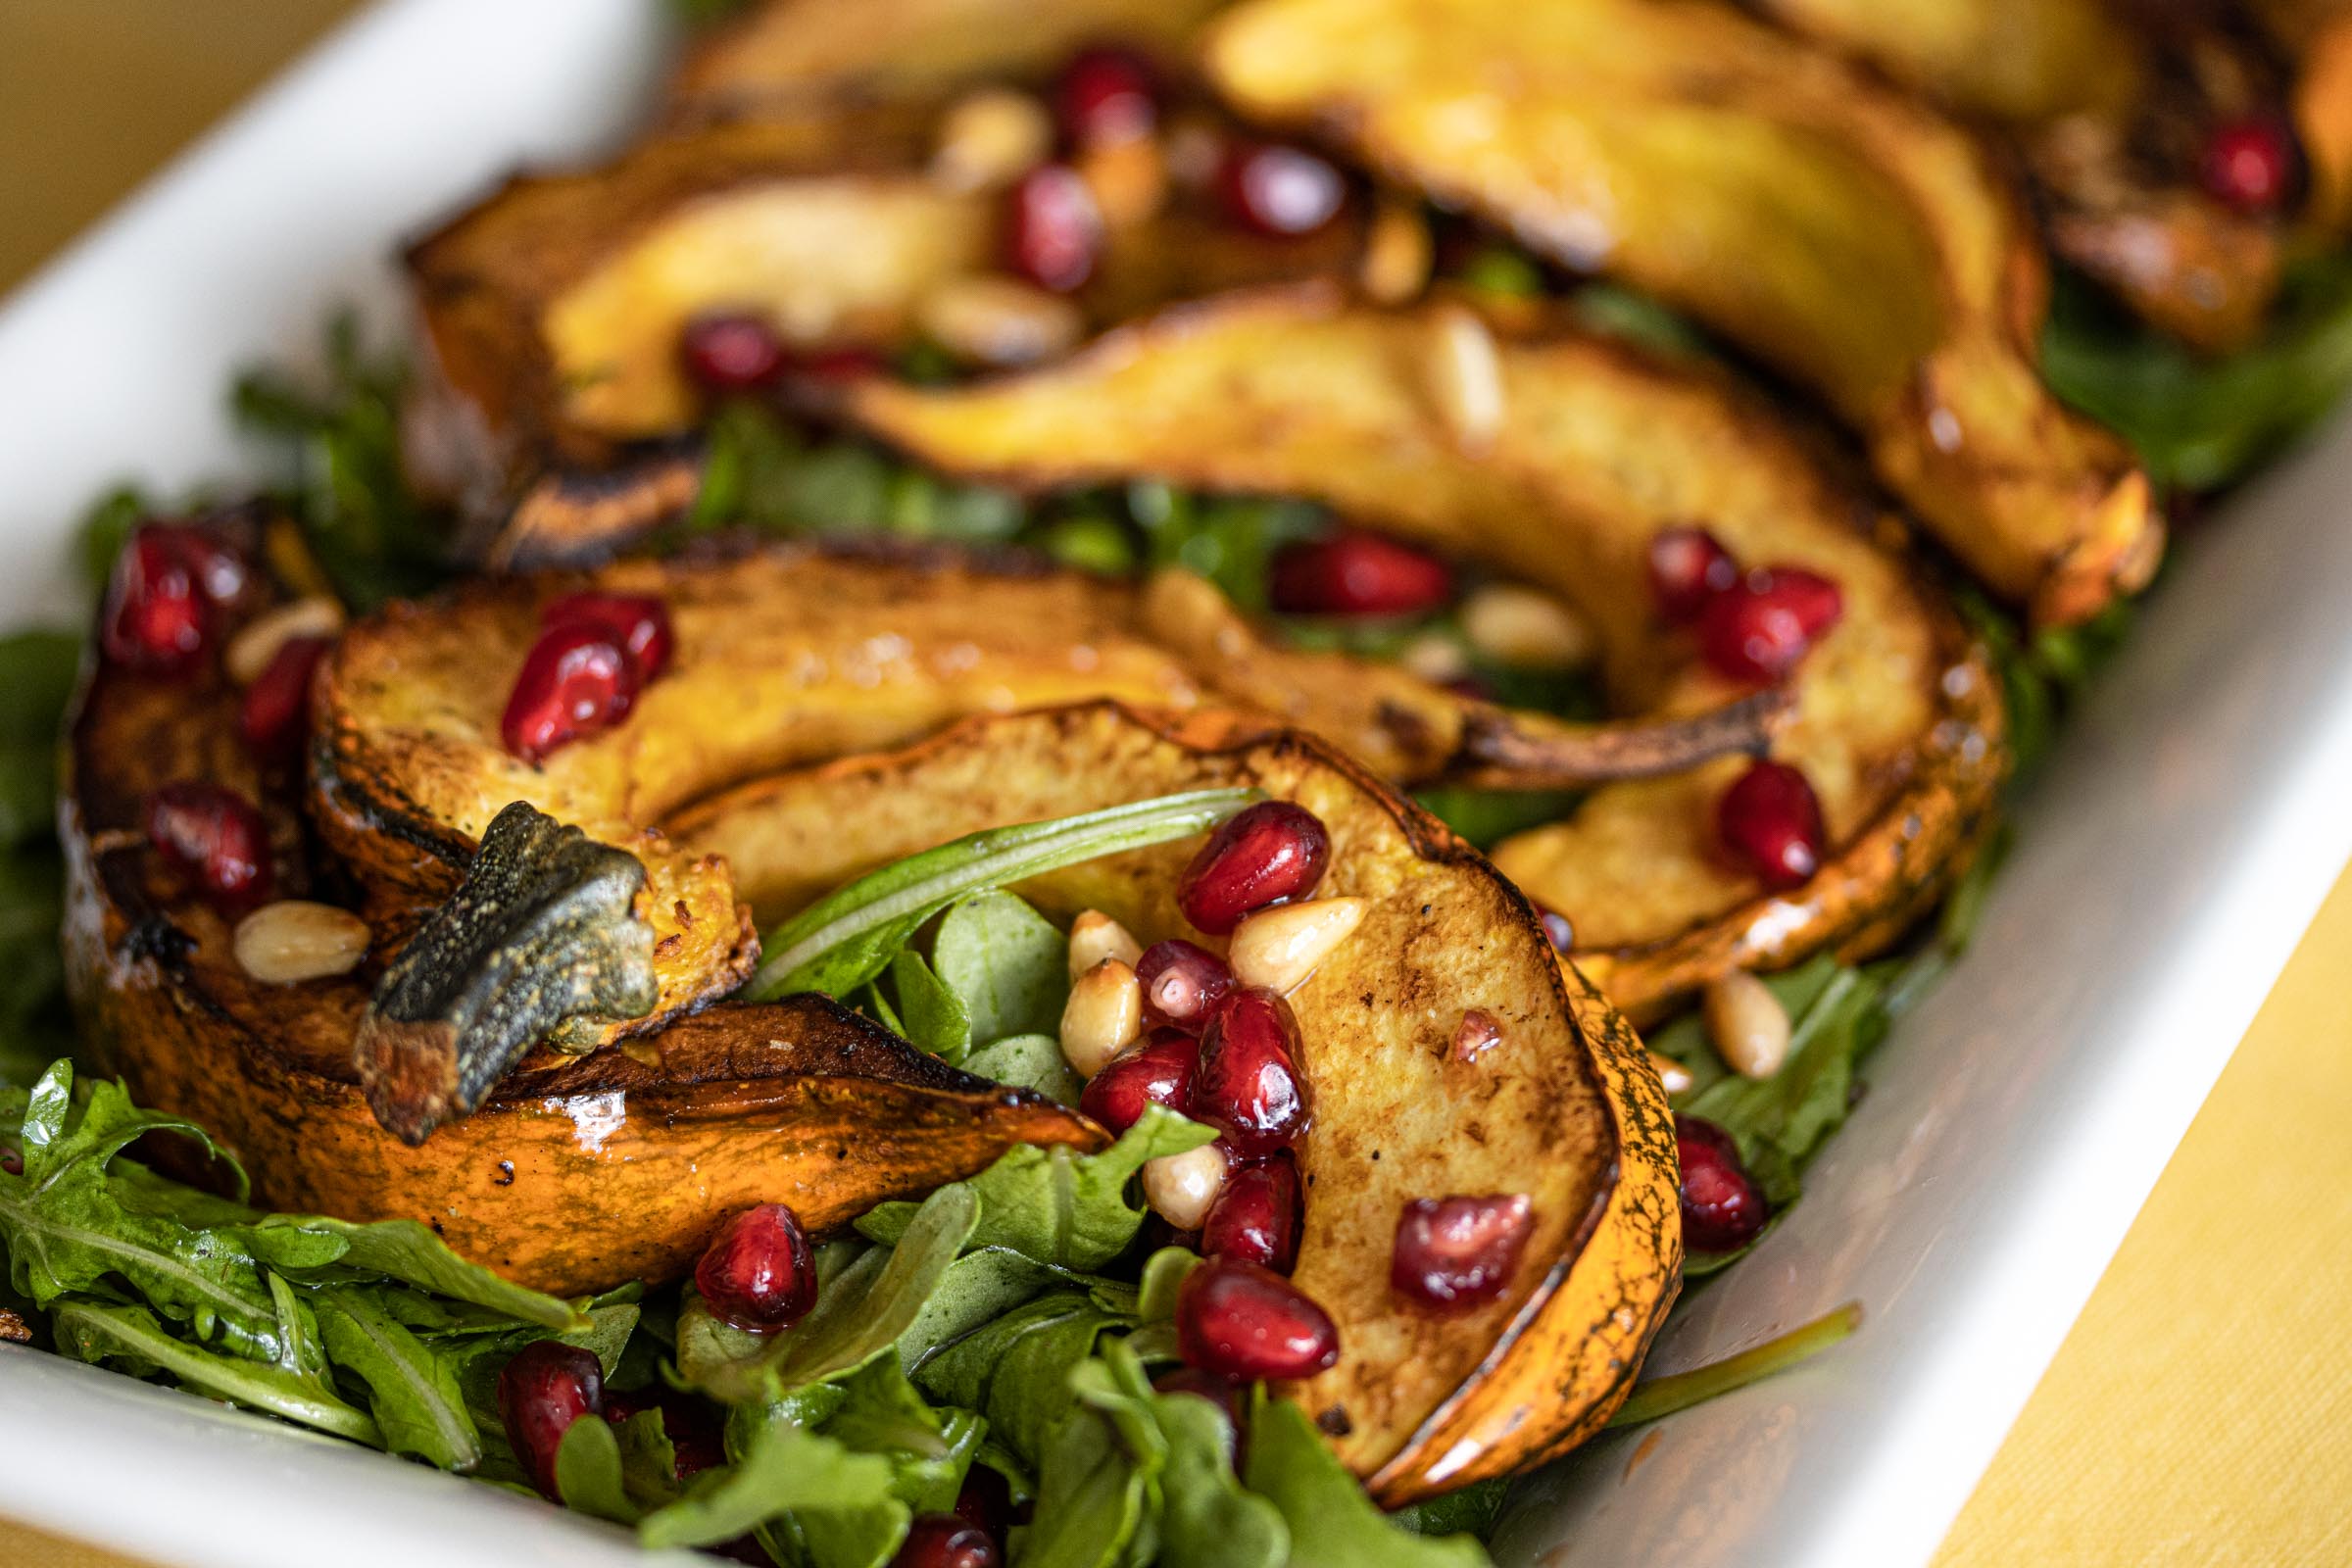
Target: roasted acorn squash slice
<point>1841,231</point>
<point>1563,1108</point>
<point>1898,722</point>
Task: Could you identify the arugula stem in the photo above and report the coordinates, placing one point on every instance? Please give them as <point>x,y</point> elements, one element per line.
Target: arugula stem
<point>1680,1390</point>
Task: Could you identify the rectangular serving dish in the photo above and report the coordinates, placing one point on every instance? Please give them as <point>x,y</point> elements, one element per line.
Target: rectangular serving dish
<point>2170,857</point>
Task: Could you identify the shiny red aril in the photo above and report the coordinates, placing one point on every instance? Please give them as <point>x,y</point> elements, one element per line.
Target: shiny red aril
<point>1758,628</point>
<point>1106,96</point>
<point>1245,1322</point>
<point>945,1540</point>
<point>12,1163</point>
<point>844,361</point>
<point>1557,929</point>
<point>1218,1389</point>
<point>158,615</point>
<point>733,352</point>
<point>1247,1085</point>
<point>576,680</point>
<point>213,836</point>
<point>541,1393</point>
<point>2250,165</point>
<point>1687,566</point>
<point>272,716</point>
<point>758,1273</point>
<point>697,1441</point>
<point>1054,230</point>
<point>1261,854</point>
<point>984,1501</point>
<point>1723,1208</point>
<point>1181,982</point>
<point>1357,573</point>
<point>1770,822</point>
<point>1156,1070</point>
<point>1256,1217</point>
<point>1458,1252</point>
<point>638,622</point>
<point>1280,190</point>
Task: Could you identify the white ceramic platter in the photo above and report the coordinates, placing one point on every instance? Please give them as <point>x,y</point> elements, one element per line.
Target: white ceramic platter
<point>2171,857</point>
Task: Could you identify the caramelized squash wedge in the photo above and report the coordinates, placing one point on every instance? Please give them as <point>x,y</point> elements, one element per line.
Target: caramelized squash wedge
<point>1563,1108</point>
<point>1899,721</point>
<point>573,1175</point>
<point>788,655</point>
<point>1841,231</point>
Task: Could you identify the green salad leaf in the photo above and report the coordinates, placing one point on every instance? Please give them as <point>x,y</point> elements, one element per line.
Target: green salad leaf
<point>1332,1523</point>
<point>131,1338</point>
<point>411,1390</point>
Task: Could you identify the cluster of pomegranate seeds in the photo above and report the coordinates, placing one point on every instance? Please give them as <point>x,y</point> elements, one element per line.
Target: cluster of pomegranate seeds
<point>595,654</point>
<point>1278,190</point>
<point>1267,854</point>
<point>1458,1252</point>
<point>1758,628</point>
<point>731,353</point>
<point>758,1273</point>
<point>1106,96</point>
<point>276,706</point>
<point>213,836</point>
<point>2250,165</point>
<point>1255,1218</point>
<point>1687,566</point>
<point>1054,230</point>
<point>1181,982</point>
<point>1723,1208</point>
<point>160,600</point>
<point>1156,1070</point>
<point>1248,1084</point>
<point>945,1540</point>
<point>1357,573</point>
<point>1770,821</point>
<point>541,1393</point>
<point>1247,1323</point>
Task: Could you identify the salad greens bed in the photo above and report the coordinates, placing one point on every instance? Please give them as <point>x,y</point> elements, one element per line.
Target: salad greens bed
<point>1011,1322</point>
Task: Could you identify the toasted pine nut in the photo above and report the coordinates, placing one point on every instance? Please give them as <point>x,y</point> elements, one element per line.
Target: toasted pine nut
<point>1180,1188</point>
<point>990,139</point>
<point>1128,180</point>
<point>1396,254</point>
<point>1435,657</point>
<point>1465,377</point>
<point>1749,1026</point>
<point>1525,630</point>
<point>1478,1032</point>
<point>256,643</point>
<point>1096,936</point>
<point>1671,1073</point>
<point>294,940</point>
<point>998,321</point>
<point>1102,1017</point>
<point>1280,946</point>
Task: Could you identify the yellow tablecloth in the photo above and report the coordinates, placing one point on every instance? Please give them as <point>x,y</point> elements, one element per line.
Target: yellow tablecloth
<point>2201,1410</point>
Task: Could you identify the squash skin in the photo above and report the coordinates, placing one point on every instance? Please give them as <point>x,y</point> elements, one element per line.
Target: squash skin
<point>1899,718</point>
<point>1566,1108</point>
<point>1908,294</point>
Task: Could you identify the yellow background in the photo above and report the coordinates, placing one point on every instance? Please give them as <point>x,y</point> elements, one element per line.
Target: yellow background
<point>2202,1409</point>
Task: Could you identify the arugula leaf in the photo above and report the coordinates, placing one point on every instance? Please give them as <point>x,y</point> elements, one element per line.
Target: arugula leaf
<point>1680,1390</point>
<point>1016,1369</point>
<point>980,1288</point>
<point>847,937</point>
<point>930,1013</point>
<point>589,1476</point>
<point>1205,1518</point>
<point>1009,963</point>
<point>1028,1061</point>
<point>785,1468</point>
<point>1485,818</point>
<point>1333,1523</point>
<point>409,1252</point>
<point>412,1392</point>
<point>1091,1499</point>
<point>130,1337</point>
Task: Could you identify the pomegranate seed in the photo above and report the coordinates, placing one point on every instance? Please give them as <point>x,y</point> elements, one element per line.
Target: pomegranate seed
<point>1687,566</point>
<point>12,1163</point>
<point>638,622</point>
<point>1556,929</point>
<point>1770,820</point>
<point>1758,628</point>
<point>1247,1085</point>
<point>1054,230</point>
<point>576,680</point>
<point>1156,1070</point>
<point>541,1393</point>
<point>1279,190</point>
<point>728,351</point>
<point>697,1442</point>
<point>1723,1208</point>
<point>1219,1391</point>
<point>1181,982</point>
<point>1245,1322</point>
<point>1264,853</point>
<point>846,362</point>
<point>758,1273</point>
<point>984,1501</point>
<point>157,616</point>
<point>1255,1218</point>
<point>1357,573</point>
<point>945,1540</point>
<point>2249,165</point>
<point>276,705</point>
<point>1458,1252</point>
<point>1106,96</point>
<point>213,836</point>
